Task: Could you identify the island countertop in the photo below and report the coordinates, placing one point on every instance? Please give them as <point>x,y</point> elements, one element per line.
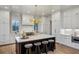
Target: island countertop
<point>34,37</point>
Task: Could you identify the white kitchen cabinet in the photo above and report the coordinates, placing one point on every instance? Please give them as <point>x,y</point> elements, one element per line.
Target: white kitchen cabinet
<point>76,45</point>
<point>56,23</point>
<point>67,19</point>
<point>58,38</point>
<point>56,26</point>
<point>66,40</point>
<point>63,39</point>
<point>71,18</point>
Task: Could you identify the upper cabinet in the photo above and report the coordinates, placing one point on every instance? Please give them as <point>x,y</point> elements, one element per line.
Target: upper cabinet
<point>67,19</point>
<point>75,17</point>
<point>71,18</point>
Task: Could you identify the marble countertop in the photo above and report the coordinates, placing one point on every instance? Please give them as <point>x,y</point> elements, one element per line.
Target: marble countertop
<point>34,37</point>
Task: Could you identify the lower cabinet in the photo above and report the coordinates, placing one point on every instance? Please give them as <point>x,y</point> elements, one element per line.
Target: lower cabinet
<point>61,39</point>
<point>66,40</point>
<point>8,49</point>
<point>75,45</point>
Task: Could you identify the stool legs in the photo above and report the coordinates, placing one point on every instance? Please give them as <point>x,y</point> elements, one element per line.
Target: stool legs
<point>28,51</point>
<point>51,46</point>
<point>37,50</point>
<point>45,49</point>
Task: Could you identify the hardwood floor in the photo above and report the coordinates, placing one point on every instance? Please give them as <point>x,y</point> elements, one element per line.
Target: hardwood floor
<point>7,49</point>
<point>60,49</point>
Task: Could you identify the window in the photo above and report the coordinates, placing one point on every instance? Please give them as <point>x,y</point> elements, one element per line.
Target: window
<point>15,24</point>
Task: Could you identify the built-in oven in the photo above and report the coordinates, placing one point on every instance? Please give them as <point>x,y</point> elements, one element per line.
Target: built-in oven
<point>75,39</point>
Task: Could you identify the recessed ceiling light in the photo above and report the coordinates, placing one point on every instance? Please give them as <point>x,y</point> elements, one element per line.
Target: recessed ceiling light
<point>28,11</point>
<point>43,13</point>
<point>35,5</point>
<point>53,10</point>
<point>6,7</point>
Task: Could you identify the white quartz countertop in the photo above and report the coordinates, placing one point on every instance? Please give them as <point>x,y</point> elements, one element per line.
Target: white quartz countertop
<point>34,37</point>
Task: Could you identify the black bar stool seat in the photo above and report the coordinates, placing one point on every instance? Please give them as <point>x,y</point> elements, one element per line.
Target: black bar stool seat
<point>28,48</point>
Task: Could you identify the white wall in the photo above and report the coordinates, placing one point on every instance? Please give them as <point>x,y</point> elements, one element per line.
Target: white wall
<point>43,27</point>
<point>26,21</point>
<point>4,26</point>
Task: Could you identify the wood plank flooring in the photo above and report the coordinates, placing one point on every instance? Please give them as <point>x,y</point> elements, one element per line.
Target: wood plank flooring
<point>60,49</point>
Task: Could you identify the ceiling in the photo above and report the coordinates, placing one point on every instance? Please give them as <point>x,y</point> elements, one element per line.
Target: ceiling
<point>36,10</point>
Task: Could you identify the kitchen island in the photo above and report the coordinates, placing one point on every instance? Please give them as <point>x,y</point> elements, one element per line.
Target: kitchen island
<point>31,39</point>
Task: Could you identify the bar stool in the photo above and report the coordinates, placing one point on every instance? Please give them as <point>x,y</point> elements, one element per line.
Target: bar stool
<point>28,48</point>
<point>51,44</point>
<point>45,48</point>
<point>37,47</point>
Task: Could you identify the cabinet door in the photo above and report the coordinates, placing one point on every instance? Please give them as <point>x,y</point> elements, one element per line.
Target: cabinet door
<point>58,38</point>
<point>61,39</point>
<point>75,45</point>
<point>67,19</point>
<point>77,17</point>
<point>73,19</point>
<point>68,41</point>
